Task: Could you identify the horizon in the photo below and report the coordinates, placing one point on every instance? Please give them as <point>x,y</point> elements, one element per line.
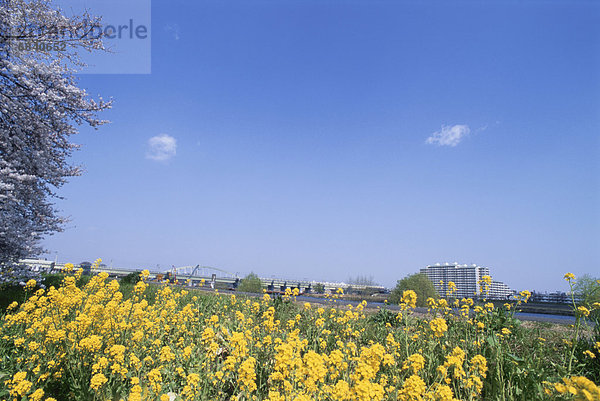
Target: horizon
<point>347,281</point>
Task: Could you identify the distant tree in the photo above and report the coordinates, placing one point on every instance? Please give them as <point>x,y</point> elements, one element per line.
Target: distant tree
<point>365,285</point>
<point>132,278</point>
<point>319,288</point>
<point>250,283</point>
<point>587,289</point>
<point>87,268</point>
<point>362,280</point>
<point>419,283</point>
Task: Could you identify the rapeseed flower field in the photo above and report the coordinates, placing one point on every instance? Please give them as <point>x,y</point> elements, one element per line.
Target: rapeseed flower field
<point>107,341</point>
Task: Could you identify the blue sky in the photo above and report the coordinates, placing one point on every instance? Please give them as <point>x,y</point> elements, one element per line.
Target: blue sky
<point>293,141</point>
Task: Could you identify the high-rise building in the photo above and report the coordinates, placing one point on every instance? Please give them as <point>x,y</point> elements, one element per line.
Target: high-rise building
<point>467,279</point>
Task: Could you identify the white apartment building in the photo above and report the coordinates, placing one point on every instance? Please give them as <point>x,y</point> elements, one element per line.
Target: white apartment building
<point>467,279</point>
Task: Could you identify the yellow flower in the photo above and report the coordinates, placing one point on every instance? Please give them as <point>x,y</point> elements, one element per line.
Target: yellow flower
<point>341,391</point>
<point>96,264</point>
<point>247,375</point>
<point>193,379</point>
<point>525,295</point>
<point>92,343</point>
<point>144,274</point>
<point>479,365</point>
<point>19,385</point>
<point>455,360</point>
<point>136,393</point>
<point>166,355</point>
<point>408,300</point>
<point>140,287</point>
<point>583,310</point>
<point>98,381</point>
<point>443,393</point>
<point>415,362</point>
<point>589,353</point>
<point>117,352</point>
<point>155,378</point>
<point>413,389</point>
<point>580,387</point>
<point>438,326</point>
<point>569,276</point>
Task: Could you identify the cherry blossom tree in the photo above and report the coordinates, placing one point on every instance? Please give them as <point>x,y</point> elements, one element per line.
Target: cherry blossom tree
<point>41,107</point>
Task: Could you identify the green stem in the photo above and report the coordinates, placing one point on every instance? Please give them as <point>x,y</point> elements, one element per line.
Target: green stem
<point>577,326</point>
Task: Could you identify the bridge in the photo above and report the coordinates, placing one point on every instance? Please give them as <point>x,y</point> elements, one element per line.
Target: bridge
<point>210,276</point>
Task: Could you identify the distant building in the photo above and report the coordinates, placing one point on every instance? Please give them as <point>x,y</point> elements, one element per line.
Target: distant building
<point>38,265</point>
<point>557,297</point>
<point>467,279</point>
<point>499,290</point>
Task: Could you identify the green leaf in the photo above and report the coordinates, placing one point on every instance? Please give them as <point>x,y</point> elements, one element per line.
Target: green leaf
<point>492,340</point>
<point>515,358</point>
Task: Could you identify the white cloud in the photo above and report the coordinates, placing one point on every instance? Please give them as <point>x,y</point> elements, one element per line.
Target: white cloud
<point>449,136</point>
<point>161,147</point>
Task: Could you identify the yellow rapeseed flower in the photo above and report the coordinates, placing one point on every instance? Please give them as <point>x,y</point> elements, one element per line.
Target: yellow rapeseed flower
<point>408,300</point>
<point>30,284</point>
<point>98,381</point>
<point>438,326</point>
<point>415,362</point>
<point>583,310</point>
<point>589,353</point>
